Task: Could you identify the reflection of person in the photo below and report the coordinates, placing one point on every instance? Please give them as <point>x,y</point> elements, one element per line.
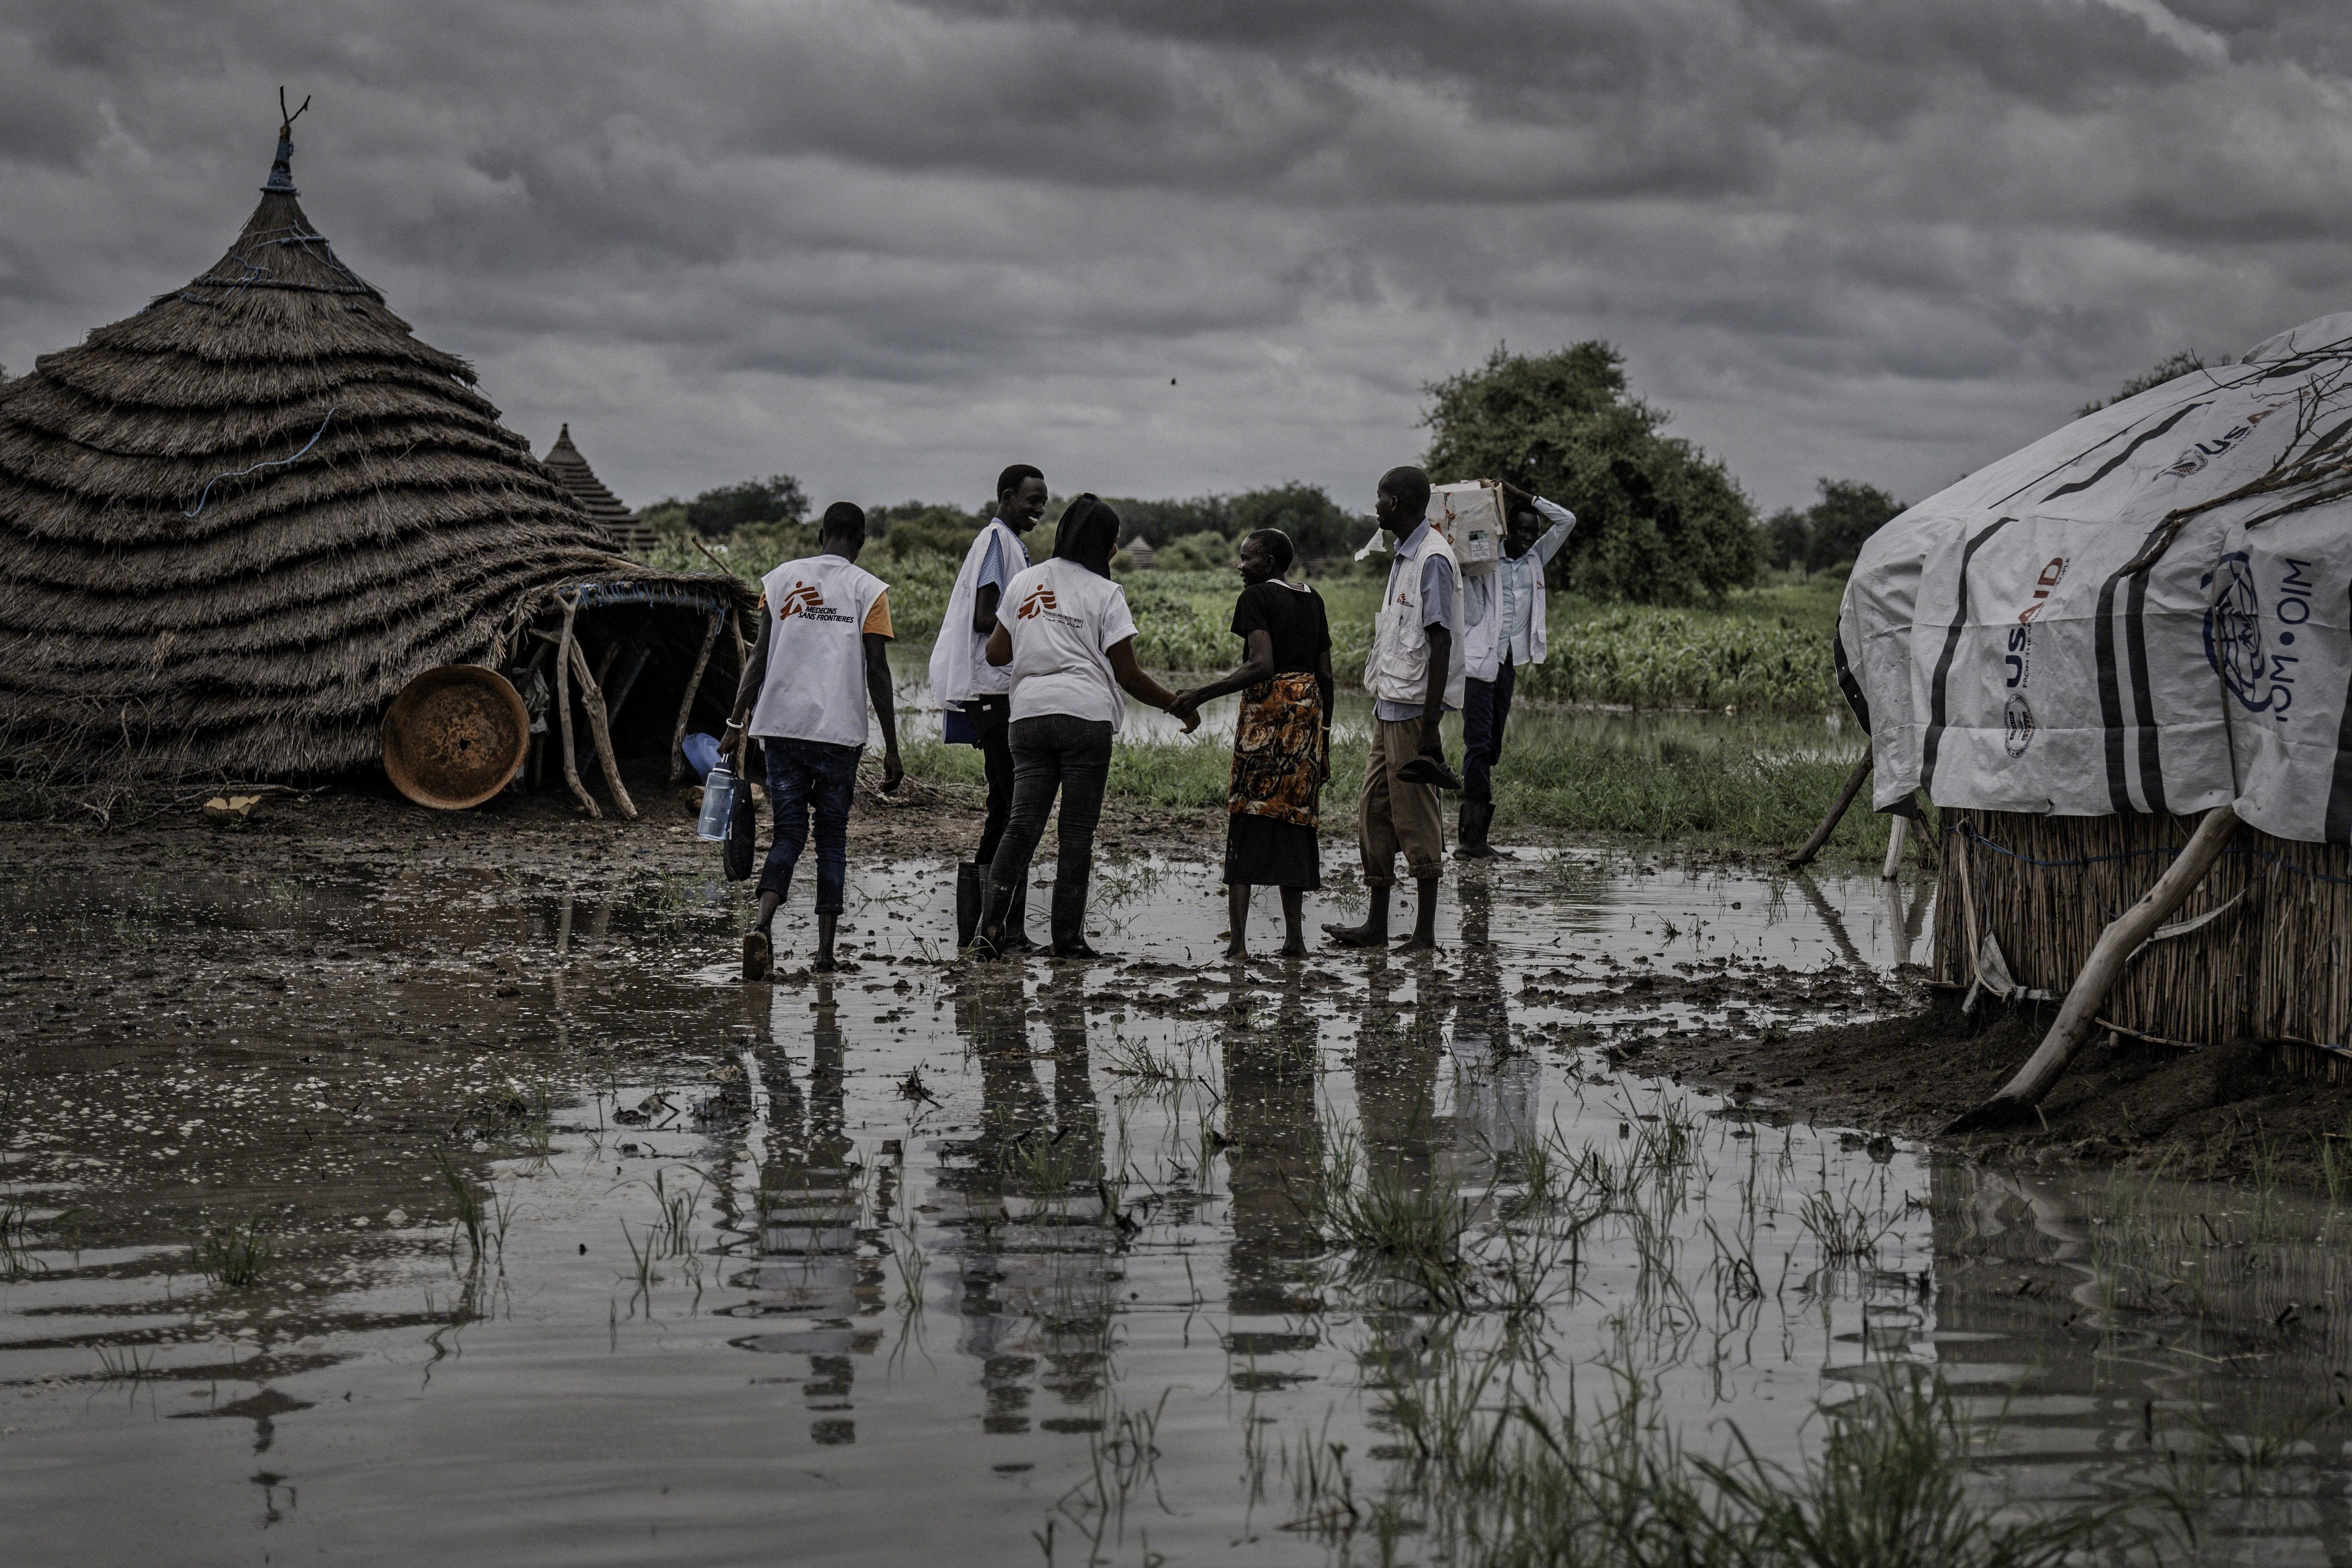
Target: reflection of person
<point>1275,1154</point>
<point>963,681</point>
<point>823,654</point>
<point>1070,646</point>
<point>1503,612</point>
<point>1282,740</point>
<point>1414,674</point>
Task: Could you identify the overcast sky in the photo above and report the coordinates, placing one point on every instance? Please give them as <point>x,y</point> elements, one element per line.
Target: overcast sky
<point>1166,247</point>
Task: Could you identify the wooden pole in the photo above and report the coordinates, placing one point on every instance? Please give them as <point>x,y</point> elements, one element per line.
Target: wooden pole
<point>686,703</point>
<point>1895,834</point>
<point>566,650</point>
<point>601,732</point>
<point>2114,948</point>
<point>1829,824</point>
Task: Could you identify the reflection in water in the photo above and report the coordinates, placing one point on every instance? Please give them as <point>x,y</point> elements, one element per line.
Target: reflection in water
<point>1276,1152</point>
<point>1494,1082</point>
<point>808,1203</point>
<point>1024,1200</point>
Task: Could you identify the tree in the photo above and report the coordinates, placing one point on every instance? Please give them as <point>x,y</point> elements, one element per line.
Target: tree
<point>913,529</point>
<point>1848,513</point>
<point>715,513</point>
<point>1316,524</point>
<point>1786,532</point>
<point>1658,520</point>
<point>2164,369</point>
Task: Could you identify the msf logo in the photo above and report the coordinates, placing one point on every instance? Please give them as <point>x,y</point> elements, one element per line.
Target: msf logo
<point>805,597</point>
<point>1040,600</point>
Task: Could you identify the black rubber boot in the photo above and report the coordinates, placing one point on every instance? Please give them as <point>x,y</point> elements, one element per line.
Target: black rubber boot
<point>1016,919</point>
<point>1070,919</point>
<point>992,939</point>
<point>969,899</point>
<point>1476,815</point>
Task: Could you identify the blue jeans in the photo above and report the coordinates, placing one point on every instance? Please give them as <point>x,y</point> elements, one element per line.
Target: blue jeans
<point>807,777</point>
<point>1486,709</point>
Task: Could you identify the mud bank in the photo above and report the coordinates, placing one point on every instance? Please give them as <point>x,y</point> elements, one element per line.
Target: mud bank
<point>2225,1113</point>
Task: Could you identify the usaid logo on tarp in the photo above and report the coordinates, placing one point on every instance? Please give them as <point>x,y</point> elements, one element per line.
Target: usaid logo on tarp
<point>2257,670</point>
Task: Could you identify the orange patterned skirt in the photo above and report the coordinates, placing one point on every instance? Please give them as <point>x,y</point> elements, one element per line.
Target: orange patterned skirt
<point>1278,752</point>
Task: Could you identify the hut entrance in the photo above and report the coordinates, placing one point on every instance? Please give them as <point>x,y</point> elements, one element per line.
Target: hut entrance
<point>620,672</point>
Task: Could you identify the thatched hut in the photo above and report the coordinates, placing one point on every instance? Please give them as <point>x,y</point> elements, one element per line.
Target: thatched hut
<point>603,508</point>
<point>235,524</point>
<point>2141,617</point>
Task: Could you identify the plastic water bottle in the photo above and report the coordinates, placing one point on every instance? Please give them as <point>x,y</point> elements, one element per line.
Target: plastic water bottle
<point>718,804</point>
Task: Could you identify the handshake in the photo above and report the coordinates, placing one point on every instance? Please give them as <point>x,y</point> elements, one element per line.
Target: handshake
<point>1185,707</point>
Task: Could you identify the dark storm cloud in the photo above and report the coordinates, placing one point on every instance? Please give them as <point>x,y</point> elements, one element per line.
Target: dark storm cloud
<point>888,243</point>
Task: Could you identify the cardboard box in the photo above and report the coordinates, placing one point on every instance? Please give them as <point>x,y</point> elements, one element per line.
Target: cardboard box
<point>1471,518</point>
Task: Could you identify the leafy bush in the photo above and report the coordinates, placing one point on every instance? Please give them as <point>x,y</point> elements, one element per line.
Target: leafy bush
<point>1659,521</point>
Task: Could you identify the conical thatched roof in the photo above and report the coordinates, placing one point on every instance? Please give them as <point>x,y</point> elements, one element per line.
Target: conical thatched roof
<point>234,525</point>
<point>603,508</point>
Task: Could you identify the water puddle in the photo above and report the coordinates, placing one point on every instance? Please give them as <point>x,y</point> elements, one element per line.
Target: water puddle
<point>426,1213</point>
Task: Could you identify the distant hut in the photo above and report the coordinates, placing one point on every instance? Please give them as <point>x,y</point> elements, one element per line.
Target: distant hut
<point>234,525</point>
<point>1139,550</point>
<point>603,508</point>
<point>2138,618</point>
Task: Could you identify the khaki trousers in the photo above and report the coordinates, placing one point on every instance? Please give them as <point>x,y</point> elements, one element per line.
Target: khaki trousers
<point>1392,816</point>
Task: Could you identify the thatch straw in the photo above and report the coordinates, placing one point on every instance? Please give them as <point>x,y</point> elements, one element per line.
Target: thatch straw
<point>234,525</point>
<point>2277,966</point>
<point>603,508</point>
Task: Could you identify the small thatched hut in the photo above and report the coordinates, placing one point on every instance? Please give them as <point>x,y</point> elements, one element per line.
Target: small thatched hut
<point>603,508</point>
<point>2140,617</point>
<point>235,524</point>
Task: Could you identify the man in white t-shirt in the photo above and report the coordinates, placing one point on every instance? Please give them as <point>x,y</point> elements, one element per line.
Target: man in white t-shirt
<point>974,693</point>
<point>823,656</point>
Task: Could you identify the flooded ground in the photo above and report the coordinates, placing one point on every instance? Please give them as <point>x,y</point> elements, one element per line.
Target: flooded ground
<point>382,1203</point>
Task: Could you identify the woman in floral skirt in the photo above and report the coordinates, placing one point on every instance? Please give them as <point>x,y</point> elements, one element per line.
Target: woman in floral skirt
<point>1282,739</point>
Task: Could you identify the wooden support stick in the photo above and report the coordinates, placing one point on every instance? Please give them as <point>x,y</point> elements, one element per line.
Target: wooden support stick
<point>2115,946</point>
<point>686,703</point>
<point>742,663</point>
<point>566,651</point>
<point>1829,824</point>
<point>1894,835</point>
<point>600,730</point>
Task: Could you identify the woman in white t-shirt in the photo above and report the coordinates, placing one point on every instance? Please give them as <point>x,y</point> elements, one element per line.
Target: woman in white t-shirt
<point>1064,629</point>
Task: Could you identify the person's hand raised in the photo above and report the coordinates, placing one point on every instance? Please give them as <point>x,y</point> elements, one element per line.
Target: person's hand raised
<point>1512,493</point>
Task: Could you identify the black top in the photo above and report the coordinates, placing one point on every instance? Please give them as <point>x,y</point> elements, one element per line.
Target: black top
<point>1292,617</point>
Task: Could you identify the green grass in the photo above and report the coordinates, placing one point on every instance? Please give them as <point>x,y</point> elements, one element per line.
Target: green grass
<point>1649,787</point>
<point>1765,649</point>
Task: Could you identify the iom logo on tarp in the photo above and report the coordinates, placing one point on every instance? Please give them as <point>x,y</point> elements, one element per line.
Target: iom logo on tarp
<point>2261,674</point>
<point>2016,724</point>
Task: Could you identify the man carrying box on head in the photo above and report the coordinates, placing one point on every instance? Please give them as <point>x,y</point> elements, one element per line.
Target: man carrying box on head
<point>823,654</point>
<point>1504,610</point>
<point>975,697</point>
<point>1414,674</point>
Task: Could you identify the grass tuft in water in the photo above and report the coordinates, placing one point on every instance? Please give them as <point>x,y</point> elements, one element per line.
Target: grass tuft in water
<point>233,1252</point>
<point>1892,1485</point>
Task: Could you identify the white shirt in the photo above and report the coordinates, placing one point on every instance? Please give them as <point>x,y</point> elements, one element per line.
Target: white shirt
<point>960,666</point>
<point>1064,620</point>
<point>815,688</point>
<point>1515,590</point>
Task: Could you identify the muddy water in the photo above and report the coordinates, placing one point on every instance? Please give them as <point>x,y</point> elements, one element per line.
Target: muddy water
<point>941,1262</point>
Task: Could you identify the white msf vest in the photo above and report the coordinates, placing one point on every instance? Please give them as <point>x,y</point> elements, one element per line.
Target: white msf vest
<point>815,686</point>
<point>960,667</point>
<point>1485,640</point>
<point>1398,668</point>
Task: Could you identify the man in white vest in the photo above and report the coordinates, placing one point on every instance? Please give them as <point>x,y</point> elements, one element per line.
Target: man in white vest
<point>1504,610</point>
<point>974,695</point>
<point>1414,674</point>
<point>823,654</point>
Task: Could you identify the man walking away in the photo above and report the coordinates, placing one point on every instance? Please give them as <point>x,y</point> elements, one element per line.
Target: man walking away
<point>965,684</point>
<point>822,654</point>
<point>1504,610</point>
<point>1414,674</point>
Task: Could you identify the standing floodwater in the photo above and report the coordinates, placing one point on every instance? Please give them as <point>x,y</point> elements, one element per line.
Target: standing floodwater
<point>424,1213</point>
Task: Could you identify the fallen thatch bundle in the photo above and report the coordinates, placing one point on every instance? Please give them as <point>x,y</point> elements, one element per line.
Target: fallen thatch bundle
<point>235,524</point>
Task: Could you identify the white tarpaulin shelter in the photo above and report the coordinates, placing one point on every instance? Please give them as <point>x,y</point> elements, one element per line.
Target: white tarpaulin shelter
<point>2145,611</point>
<point>2137,618</point>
